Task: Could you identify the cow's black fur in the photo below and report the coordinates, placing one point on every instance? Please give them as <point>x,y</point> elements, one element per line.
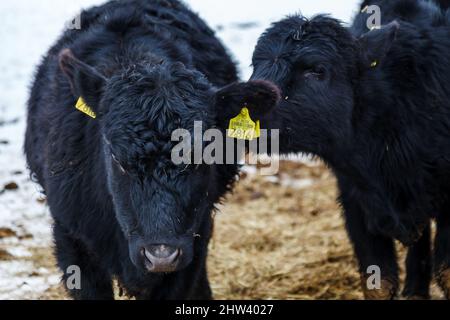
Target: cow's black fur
<point>445,4</point>
<point>376,109</point>
<point>421,13</point>
<point>146,68</point>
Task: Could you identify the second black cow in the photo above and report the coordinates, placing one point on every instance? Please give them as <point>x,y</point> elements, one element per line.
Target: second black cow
<point>376,109</point>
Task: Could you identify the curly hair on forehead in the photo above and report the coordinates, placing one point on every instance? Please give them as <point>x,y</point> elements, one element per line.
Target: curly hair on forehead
<point>150,102</point>
<point>160,92</point>
<point>321,28</point>
<point>328,28</point>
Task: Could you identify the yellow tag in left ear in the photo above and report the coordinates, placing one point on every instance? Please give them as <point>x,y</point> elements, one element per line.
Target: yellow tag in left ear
<point>242,127</point>
<point>374,64</point>
<point>83,107</point>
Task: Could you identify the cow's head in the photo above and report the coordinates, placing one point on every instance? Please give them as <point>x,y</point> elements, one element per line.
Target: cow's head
<point>319,67</point>
<point>159,205</point>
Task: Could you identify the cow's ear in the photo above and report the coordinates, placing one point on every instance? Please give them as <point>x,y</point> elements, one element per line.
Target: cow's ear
<point>376,43</point>
<point>85,81</point>
<point>260,97</point>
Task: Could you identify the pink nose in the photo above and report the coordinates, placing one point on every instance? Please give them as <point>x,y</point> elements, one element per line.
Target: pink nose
<point>161,258</point>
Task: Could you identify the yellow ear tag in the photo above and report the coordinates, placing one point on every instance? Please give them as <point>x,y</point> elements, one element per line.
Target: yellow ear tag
<point>83,107</point>
<point>374,64</point>
<point>242,127</point>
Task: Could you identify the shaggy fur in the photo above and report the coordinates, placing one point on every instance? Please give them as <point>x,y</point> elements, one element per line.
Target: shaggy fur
<point>376,109</point>
<point>421,13</point>
<point>146,68</point>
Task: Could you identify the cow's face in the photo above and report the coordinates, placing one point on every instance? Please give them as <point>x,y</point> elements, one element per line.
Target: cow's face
<point>317,65</point>
<point>160,205</point>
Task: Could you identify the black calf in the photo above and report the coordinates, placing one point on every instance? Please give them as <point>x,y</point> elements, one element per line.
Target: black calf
<point>376,109</point>
<point>122,208</point>
<point>421,13</point>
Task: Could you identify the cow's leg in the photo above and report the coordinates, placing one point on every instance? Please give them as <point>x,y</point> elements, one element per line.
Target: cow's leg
<point>418,268</point>
<point>202,290</point>
<point>95,283</point>
<point>374,252</point>
<point>442,253</point>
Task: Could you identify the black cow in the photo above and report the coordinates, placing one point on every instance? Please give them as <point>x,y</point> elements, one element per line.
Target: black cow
<point>376,109</point>
<point>422,13</point>
<point>121,207</point>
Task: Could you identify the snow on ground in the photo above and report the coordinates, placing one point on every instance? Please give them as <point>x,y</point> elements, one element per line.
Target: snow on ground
<point>28,28</point>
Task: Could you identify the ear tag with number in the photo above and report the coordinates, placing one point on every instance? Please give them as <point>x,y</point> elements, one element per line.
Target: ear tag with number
<point>242,127</point>
<point>83,107</point>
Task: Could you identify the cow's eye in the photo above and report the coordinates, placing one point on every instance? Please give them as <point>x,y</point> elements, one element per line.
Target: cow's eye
<point>117,163</point>
<point>316,73</point>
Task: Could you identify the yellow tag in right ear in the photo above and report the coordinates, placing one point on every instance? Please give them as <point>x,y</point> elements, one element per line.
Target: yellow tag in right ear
<point>374,64</point>
<point>242,127</point>
<point>83,107</point>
